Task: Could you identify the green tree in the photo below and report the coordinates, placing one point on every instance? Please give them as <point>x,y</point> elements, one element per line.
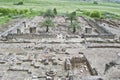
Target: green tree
<point>49,14</point>
<point>48,23</point>
<point>74,26</point>
<point>71,17</point>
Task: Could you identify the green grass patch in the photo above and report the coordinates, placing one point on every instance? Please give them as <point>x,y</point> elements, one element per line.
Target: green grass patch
<point>4,19</point>
<point>61,6</point>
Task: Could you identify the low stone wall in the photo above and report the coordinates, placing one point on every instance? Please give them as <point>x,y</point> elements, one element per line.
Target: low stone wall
<point>33,36</point>
<point>97,41</point>
<point>92,71</point>
<point>106,36</point>
<point>104,46</point>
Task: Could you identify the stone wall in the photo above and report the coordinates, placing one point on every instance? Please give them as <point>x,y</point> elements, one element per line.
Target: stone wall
<point>93,71</point>
<point>104,46</point>
<point>32,36</point>
<point>106,36</point>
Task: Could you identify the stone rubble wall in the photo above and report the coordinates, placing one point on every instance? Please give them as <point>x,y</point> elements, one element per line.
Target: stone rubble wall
<point>103,45</point>
<point>32,36</point>
<point>106,36</point>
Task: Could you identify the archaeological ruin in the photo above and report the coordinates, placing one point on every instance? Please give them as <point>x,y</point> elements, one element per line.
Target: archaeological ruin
<point>28,52</point>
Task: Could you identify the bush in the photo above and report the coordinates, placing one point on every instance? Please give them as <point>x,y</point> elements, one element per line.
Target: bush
<point>19,3</point>
<point>86,13</point>
<point>95,14</point>
<point>10,12</point>
<point>95,2</point>
<point>55,11</point>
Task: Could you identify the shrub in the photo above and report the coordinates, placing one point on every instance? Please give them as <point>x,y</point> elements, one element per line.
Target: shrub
<point>95,14</point>
<point>55,11</point>
<point>95,2</point>
<point>86,13</point>
<point>19,3</point>
<point>10,12</point>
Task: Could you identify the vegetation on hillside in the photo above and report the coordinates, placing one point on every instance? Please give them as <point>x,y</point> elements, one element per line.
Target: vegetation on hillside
<point>7,13</point>
<point>29,8</point>
<point>11,12</point>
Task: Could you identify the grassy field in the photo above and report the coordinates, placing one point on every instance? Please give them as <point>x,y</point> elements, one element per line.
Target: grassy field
<point>62,6</point>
